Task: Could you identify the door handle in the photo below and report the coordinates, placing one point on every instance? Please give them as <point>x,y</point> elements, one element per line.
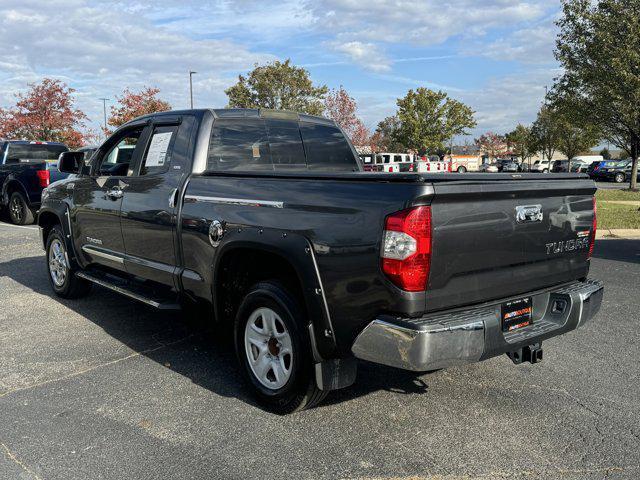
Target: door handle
<point>115,193</point>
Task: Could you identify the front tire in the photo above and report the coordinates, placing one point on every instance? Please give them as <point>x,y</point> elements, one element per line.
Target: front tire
<point>19,211</point>
<point>619,178</point>
<point>546,170</point>
<point>61,275</point>
<point>274,350</point>
<point>461,170</point>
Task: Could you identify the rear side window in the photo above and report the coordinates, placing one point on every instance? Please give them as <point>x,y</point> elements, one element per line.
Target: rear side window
<point>239,145</point>
<point>158,155</point>
<point>285,145</point>
<point>326,148</point>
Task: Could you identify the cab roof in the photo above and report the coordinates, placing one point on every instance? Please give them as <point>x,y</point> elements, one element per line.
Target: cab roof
<point>245,113</point>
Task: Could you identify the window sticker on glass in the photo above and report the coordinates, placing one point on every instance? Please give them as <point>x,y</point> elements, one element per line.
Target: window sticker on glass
<point>256,150</point>
<point>157,154</point>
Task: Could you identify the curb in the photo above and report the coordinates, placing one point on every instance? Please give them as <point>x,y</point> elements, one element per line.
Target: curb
<point>626,233</point>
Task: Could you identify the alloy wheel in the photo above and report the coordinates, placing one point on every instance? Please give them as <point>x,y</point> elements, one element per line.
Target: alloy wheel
<point>57,263</point>
<point>16,209</point>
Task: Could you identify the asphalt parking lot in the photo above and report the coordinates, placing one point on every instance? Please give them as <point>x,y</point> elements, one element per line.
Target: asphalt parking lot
<point>105,388</point>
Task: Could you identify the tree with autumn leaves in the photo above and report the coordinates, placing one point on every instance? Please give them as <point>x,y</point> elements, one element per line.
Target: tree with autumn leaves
<point>492,144</point>
<point>342,108</point>
<point>135,104</point>
<point>45,112</point>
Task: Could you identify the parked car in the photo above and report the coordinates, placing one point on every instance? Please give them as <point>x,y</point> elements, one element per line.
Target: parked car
<point>26,168</point>
<point>507,165</point>
<point>560,166</point>
<point>580,166</point>
<point>587,159</point>
<point>541,166</point>
<point>594,169</point>
<point>618,172</point>
<point>267,219</point>
<point>489,168</point>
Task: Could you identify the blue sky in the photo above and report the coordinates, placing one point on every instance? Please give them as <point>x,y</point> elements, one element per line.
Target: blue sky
<point>495,55</point>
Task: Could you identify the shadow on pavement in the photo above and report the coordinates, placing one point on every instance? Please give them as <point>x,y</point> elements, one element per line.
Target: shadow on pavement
<point>193,347</point>
<point>617,249</point>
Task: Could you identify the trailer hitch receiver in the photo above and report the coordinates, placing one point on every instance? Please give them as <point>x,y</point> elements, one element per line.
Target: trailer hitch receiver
<point>529,353</point>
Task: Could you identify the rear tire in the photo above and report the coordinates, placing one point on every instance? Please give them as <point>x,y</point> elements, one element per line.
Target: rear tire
<point>19,211</point>
<point>61,275</point>
<point>546,170</point>
<point>274,350</point>
<point>461,170</point>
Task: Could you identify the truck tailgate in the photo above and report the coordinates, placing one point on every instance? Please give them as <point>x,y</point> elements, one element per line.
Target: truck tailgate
<point>480,251</point>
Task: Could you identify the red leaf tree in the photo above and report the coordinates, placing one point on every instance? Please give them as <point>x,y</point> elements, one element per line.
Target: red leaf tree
<point>492,144</point>
<point>341,107</point>
<point>134,104</point>
<point>46,112</point>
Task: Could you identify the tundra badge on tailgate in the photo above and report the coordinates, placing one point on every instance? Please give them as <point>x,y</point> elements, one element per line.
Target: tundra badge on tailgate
<point>528,213</point>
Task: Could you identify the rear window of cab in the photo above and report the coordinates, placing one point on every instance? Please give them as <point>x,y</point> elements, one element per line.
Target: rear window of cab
<point>258,144</point>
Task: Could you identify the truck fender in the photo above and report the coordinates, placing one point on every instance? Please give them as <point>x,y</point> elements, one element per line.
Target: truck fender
<point>57,213</point>
<point>299,252</point>
<point>12,181</point>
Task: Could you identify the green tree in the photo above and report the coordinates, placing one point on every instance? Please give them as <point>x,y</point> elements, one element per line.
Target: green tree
<point>386,134</point>
<point>546,132</point>
<point>278,86</point>
<point>606,154</point>
<point>599,49</point>
<point>429,119</point>
<point>576,138</point>
<point>521,142</point>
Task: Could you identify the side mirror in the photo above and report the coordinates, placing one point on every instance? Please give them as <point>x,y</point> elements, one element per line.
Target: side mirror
<point>70,162</point>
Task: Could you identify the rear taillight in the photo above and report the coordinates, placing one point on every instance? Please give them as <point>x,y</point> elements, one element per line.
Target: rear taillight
<point>43,178</point>
<point>406,248</point>
<point>592,240</point>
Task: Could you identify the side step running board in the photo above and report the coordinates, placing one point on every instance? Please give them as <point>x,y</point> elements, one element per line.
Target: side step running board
<point>128,289</point>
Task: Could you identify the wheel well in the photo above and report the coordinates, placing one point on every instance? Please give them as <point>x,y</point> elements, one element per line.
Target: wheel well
<point>14,186</point>
<point>241,268</point>
<point>47,220</point>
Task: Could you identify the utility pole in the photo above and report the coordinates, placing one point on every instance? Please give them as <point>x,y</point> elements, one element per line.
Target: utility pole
<point>104,111</point>
<point>191,86</point>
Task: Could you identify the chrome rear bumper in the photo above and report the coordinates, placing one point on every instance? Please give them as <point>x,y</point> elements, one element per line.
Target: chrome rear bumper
<point>469,335</point>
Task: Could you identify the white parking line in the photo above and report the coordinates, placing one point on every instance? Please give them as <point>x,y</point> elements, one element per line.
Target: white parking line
<point>18,226</point>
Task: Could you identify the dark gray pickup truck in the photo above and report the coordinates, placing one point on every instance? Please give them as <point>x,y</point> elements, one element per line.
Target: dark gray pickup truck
<point>267,221</point>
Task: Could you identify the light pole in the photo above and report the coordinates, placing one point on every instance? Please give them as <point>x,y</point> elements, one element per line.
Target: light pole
<point>104,111</point>
<point>191,86</point>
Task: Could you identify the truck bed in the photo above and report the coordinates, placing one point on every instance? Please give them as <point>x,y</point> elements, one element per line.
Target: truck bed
<point>478,251</point>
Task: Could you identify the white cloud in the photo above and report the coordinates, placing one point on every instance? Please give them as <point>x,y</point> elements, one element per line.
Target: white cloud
<point>101,51</point>
<point>508,100</point>
<point>426,22</point>
<point>533,44</point>
<point>365,54</point>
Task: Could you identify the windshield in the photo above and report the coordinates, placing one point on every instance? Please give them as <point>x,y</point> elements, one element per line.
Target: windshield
<point>34,151</point>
